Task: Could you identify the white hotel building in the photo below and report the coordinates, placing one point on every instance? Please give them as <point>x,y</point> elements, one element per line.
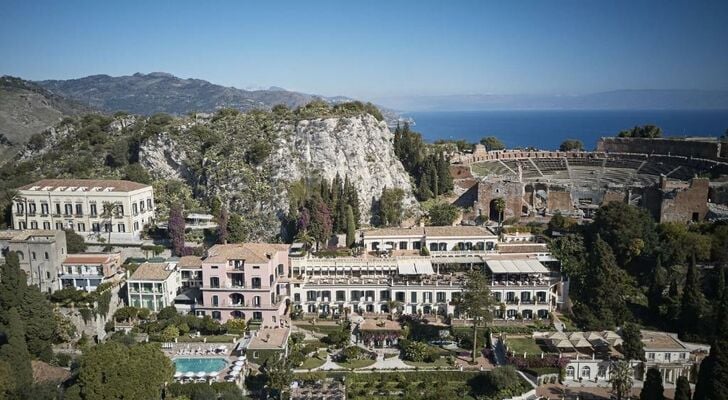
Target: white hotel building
<point>78,204</point>
<point>524,277</point>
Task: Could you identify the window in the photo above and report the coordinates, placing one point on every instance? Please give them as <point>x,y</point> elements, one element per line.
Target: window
<point>96,227</point>
<point>271,280</point>
<point>683,356</point>
<point>59,226</point>
<point>141,205</point>
<point>586,372</point>
<point>21,225</point>
<point>81,227</point>
<point>403,245</point>
<point>399,296</point>
<point>668,356</point>
<point>215,301</point>
<point>44,208</point>
<point>256,266</point>
<point>216,315</point>
<point>108,227</point>
<point>214,282</point>
<point>79,209</point>
<point>136,225</point>
<point>93,210</point>
<point>297,297</point>
<point>119,209</point>
<point>433,246</point>
<point>413,296</point>
<point>255,283</point>
<point>47,225</point>
<point>68,208</point>
<point>33,225</point>
<point>19,208</point>
<point>441,297</point>
<point>650,356</point>
<point>46,255</point>
<point>32,255</point>
<point>31,208</point>
<point>149,204</point>
<point>257,315</point>
<point>280,269</point>
<point>416,245</point>
<point>311,295</point>
<point>256,301</point>
<point>121,227</point>
<point>384,295</point>
<point>134,209</point>
<point>340,295</point>
<point>21,256</point>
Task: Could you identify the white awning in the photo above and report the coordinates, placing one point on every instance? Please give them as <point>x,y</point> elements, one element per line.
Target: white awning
<point>415,267</point>
<point>527,266</point>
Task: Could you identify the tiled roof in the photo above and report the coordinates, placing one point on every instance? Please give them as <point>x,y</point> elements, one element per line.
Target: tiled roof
<point>151,272</point>
<point>117,185</point>
<point>457,231</point>
<point>270,338</point>
<point>521,247</point>
<point>190,262</point>
<point>88,258</point>
<point>44,372</point>
<point>250,252</point>
<point>413,231</point>
<point>24,235</point>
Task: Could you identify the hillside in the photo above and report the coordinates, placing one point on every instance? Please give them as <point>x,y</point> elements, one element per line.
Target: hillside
<point>248,161</point>
<point>27,109</point>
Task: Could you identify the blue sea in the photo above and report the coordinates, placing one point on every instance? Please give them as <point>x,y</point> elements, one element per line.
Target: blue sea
<point>547,129</point>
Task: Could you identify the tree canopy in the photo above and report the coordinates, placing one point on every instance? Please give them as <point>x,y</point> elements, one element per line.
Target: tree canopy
<point>492,143</point>
<point>644,131</point>
<point>571,145</point>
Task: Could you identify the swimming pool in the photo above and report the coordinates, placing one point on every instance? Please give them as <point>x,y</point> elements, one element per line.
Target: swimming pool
<point>199,364</point>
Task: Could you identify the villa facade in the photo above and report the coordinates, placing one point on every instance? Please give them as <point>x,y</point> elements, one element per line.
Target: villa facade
<point>87,271</point>
<point>248,281</point>
<point>80,205</point>
<point>153,286</point>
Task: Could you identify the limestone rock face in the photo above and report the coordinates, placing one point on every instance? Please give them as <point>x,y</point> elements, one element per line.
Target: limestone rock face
<point>360,147</point>
<point>164,158</point>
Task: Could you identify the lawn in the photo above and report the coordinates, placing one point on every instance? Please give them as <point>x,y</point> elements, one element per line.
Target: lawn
<point>314,362</point>
<point>569,325</point>
<point>356,363</point>
<point>520,345</point>
<point>315,342</point>
<point>440,362</point>
<point>320,328</point>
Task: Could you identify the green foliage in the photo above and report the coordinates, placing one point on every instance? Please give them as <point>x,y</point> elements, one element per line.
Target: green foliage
<point>235,325</point>
<point>632,348</point>
<point>114,371</point>
<point>476,302</point>
<point>492,143</point>
<point>644,131</point>
<point>390,210</point>
<point>571,145</point>
<point>431,172</point>
<point>621,379</point>
<point>136,173</point>
<point>692,304</point>
<point>204,391</point>
<point>237,231</point>
<point>629,230</point>
<point>682,390</point>
<point>443,214</point>
<point>652,388</point>
<point>15,351</point>
<point>417,351</point>
<point>278,376</point>
<point>337,338</point>
<point>75,243</point>
<point>350,226</point>
<point>176,229</point>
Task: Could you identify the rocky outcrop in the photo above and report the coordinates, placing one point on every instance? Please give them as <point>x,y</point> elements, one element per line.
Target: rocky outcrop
<point>360,147</point>
<point>164,158</point>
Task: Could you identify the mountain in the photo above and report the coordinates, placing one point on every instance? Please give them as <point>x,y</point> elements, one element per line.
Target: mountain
<point>257,163</point>
<point>27,109</point>
<point>612,100</point>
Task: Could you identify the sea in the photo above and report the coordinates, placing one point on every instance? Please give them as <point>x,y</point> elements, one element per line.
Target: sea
<point>547,129</point>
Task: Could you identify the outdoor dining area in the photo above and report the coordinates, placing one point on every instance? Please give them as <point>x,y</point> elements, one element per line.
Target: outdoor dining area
<point>190,350</point>
<point>583,342</point>
<point>195,377</point>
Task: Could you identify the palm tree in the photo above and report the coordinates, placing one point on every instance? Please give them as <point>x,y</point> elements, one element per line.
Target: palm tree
<point>500,206</point>
<point>305,238</point>
<point>393,305</point>
<point>621,379</point>
<point>107,213</point>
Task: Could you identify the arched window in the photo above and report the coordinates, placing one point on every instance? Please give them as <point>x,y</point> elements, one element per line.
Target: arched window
<point>21,256</point>
<point>569,372</point>
<point>237,299</point>
<point>585,372</point>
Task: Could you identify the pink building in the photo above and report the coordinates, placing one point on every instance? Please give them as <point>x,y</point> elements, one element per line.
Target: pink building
<point>245,280</point>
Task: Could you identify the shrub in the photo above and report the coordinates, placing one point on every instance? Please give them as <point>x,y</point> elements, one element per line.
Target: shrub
<point>235,325</point>
<point>417,351</point>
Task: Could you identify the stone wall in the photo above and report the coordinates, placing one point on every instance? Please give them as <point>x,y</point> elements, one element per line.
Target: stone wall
<point>681,147</point>
<point>94,328</point>
<point>685,205</point>
<point>511,192</point>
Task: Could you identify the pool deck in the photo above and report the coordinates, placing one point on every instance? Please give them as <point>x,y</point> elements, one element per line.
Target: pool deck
<point>207,351</point>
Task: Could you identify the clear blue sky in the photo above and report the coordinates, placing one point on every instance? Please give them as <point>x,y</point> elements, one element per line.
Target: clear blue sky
<point>374,49</point>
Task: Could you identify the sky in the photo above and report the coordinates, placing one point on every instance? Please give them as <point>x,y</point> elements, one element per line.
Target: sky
<point>377,49</point>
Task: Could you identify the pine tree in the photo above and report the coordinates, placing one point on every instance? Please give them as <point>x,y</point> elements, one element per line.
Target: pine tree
<point>682,391</point>
<point>607,287</point>
<point>13,283</point>
<point>424,191</point>
<point>15,351</point>
<point>350,227</point>
<point>632,347</point>
<point>443,173</point>
<point>713,377</point>
<point>652,388</point>
<point>691,304</point>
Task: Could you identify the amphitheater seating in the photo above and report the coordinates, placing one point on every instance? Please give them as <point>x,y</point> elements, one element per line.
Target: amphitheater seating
<point>547,165</point>
<point>617,176</point>
<point>656,168</point>
<point>623,163</point>
<point>586,162</point>
<point>485,168</point>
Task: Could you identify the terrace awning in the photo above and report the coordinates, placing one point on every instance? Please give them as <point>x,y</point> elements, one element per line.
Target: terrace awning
<point>525,266</point>
<point>415,267</point>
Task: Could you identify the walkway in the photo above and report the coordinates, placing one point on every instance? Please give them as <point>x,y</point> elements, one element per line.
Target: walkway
<point>499,351</point>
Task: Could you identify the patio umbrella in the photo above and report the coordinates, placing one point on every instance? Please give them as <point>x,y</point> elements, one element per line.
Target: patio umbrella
<point>212,374</point>
<point>201,374</point>
<point>609,335</point>
<point>580,343</point>
<point>594,336</point>
<point>616,342</point>
<point>177,374</point>
<point>576,335</point>
<point>189,374</point>
<point>242,358</point>
<point>562,344</point>
<point>239,362</point>
<point>558,336</point>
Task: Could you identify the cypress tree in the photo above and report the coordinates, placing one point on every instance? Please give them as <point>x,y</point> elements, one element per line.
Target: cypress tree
<point>606,282</point>
<point>13,282</point>
<point>176,229</point>
<point>657,286</point>
<point>713,378</point>
<point>36,312</point>
<point>653,389</point>
<point>443,174</point>
<point>424,191</point>
<point>632,347</point>
<point>350,227</point>
<point>691,304</point>
<point>682,390</point>
<point>352,199</point>
<point>15,351</point>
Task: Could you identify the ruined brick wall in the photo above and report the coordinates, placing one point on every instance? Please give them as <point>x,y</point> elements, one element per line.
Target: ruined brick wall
<point>684,205</point>
<point>560,200</point>
<point>679,147</point>
<point>614,196</point>
<point>511,192</point>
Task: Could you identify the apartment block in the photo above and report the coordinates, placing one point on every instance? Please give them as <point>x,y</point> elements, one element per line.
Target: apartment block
<point>108,209</point>
<point>153,286</point>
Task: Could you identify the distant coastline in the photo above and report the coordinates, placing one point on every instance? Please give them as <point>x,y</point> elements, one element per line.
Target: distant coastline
<point>546,129</point>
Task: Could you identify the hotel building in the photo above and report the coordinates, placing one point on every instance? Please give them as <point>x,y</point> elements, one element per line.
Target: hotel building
<point>88,270</point>
<point>80,204</point>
